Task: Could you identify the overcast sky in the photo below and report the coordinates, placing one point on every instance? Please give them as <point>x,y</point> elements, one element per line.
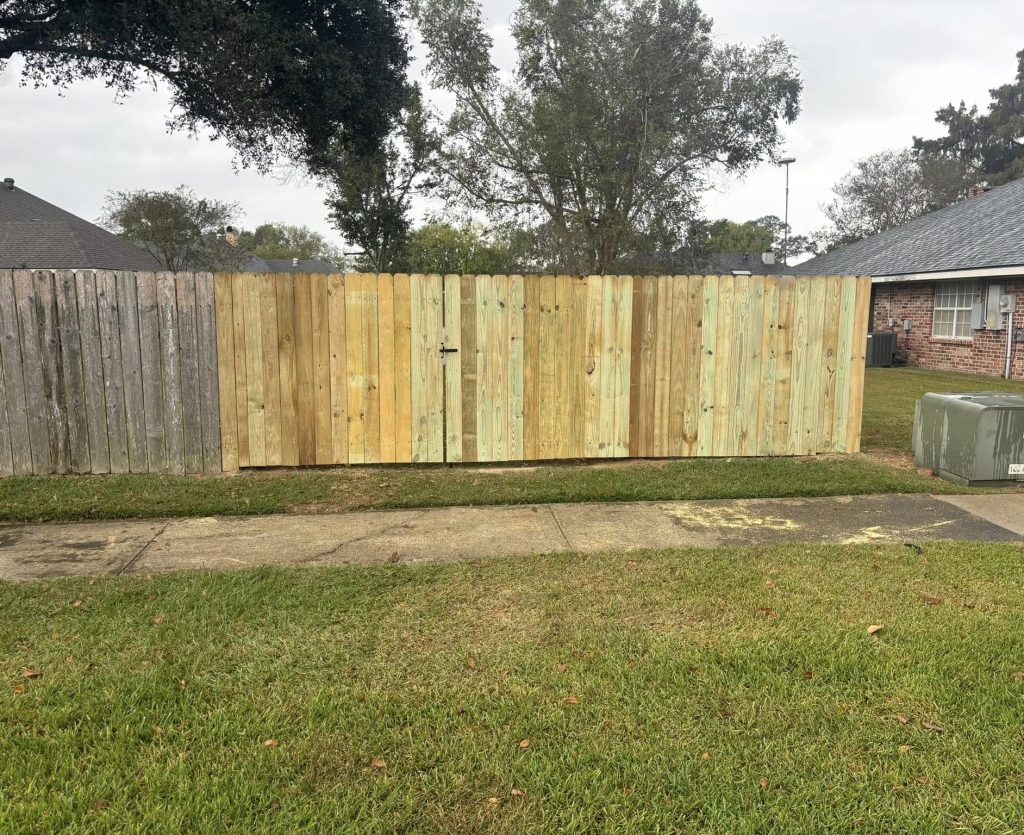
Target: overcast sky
<point>874,73</point>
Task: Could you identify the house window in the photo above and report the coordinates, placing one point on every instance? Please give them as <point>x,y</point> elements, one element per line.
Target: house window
<point>952,316</point>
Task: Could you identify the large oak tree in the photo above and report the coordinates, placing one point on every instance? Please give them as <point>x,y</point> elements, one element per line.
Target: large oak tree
<point>268,76</point>
<point>614,116</point>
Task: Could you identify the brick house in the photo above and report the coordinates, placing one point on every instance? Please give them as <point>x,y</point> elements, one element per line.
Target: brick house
<point>940,283</point>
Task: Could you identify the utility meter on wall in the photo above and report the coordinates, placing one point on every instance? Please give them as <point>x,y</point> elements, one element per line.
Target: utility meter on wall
<point>1007,304</point>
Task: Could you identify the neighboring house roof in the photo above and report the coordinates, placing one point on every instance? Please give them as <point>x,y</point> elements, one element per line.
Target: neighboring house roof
<point>981,232</point>
<point>723,263</point>
<point>37,235</point>
<point>289,265</point>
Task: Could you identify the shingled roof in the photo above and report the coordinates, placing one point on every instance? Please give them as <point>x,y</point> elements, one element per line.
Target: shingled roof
<point>289,265</point>
<point>986,231</point>
<point>37,235</point>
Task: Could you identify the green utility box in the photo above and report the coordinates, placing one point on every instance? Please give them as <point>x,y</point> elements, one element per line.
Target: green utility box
<point>972,439</point>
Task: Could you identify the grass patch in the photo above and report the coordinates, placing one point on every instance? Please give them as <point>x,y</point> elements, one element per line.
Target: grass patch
<point>52,498</point>
<point>890,395</point>
<point>735,690</point>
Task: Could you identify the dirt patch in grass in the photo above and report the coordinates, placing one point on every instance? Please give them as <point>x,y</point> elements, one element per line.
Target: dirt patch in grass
<point>898,458</point>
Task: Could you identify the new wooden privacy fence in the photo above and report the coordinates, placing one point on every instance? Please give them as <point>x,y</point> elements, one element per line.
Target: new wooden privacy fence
<point>200,373</point>
<point>381,368</point>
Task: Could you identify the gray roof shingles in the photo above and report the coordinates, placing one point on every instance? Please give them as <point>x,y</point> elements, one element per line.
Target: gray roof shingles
<point>983,231</point>
<point>37,235</point>
<point>727,262</point>
<point>286,265</point>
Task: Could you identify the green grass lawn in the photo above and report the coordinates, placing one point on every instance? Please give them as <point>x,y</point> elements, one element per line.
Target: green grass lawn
<point>124,496</point>
<point>888,417</point>
<point>726,691</point>
<point>890,395</point>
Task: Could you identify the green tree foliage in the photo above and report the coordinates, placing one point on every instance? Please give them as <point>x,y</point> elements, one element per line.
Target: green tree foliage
<point>886,190</point>
<point>183,231</point>
<point>765,234</point>
<point>466,250</point>
<point>281,241</point>
<point>265,75</point>
<point>752,236</point>
<point>371,193</point>
<point>615,115</point>
<point>983,146</point>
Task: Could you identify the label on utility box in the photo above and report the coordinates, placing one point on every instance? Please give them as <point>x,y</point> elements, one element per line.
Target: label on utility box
<point>1017,469</point>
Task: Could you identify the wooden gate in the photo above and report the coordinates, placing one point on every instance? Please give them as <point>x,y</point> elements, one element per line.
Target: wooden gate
<point>356,368</point>
<point>338,369</point>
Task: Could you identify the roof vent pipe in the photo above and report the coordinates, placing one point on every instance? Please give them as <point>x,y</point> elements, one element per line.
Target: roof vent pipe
<point>9,183</point>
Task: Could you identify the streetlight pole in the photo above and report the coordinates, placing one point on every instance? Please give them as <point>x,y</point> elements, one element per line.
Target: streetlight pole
<point>787,161</point>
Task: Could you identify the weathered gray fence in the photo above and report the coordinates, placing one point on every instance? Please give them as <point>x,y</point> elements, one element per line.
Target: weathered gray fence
<point>108,372</point>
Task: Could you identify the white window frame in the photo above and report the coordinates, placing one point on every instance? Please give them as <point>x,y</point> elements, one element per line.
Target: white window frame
<point>961,309</point>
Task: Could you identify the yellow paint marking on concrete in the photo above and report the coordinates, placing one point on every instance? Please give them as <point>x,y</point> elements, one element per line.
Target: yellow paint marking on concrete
<point>878,533</point>
<point>872,534</point>
<point>929,527</point>
<point>736,517</point>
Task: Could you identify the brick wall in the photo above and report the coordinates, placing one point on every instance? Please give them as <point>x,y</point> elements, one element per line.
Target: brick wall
<point>984,353</point>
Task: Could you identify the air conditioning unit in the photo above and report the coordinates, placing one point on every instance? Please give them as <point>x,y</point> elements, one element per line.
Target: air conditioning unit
<point>972,439</point>
<point>881,349</point>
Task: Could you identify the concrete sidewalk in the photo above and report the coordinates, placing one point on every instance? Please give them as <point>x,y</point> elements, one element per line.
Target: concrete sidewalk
<point>30,552</point>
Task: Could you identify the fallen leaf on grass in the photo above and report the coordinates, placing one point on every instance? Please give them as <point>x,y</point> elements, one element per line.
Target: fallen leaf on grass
<point>19,689</point>
<point>518,793</point>
<point>471,663</point>
<point>899,717</point>
<point>378,762</point>
<point>931,601</point>
<point>931,726</point>
<point>493,800</point>
<point>1018,676</point>
<point>769,584</point>
<point>771,614</point>
<point>763,782</point>
<point>77,604</point>
<point>875,628</point>
<point>159,619</point>
<point>26,673</point>
<point>562,668</point>
<point>706,755</point>
<point>524,743</point>
<point>923,781</point>
<point>181,684</point>
<point>572,700</point>
<point>99,805</point>
<point>904,749</point>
